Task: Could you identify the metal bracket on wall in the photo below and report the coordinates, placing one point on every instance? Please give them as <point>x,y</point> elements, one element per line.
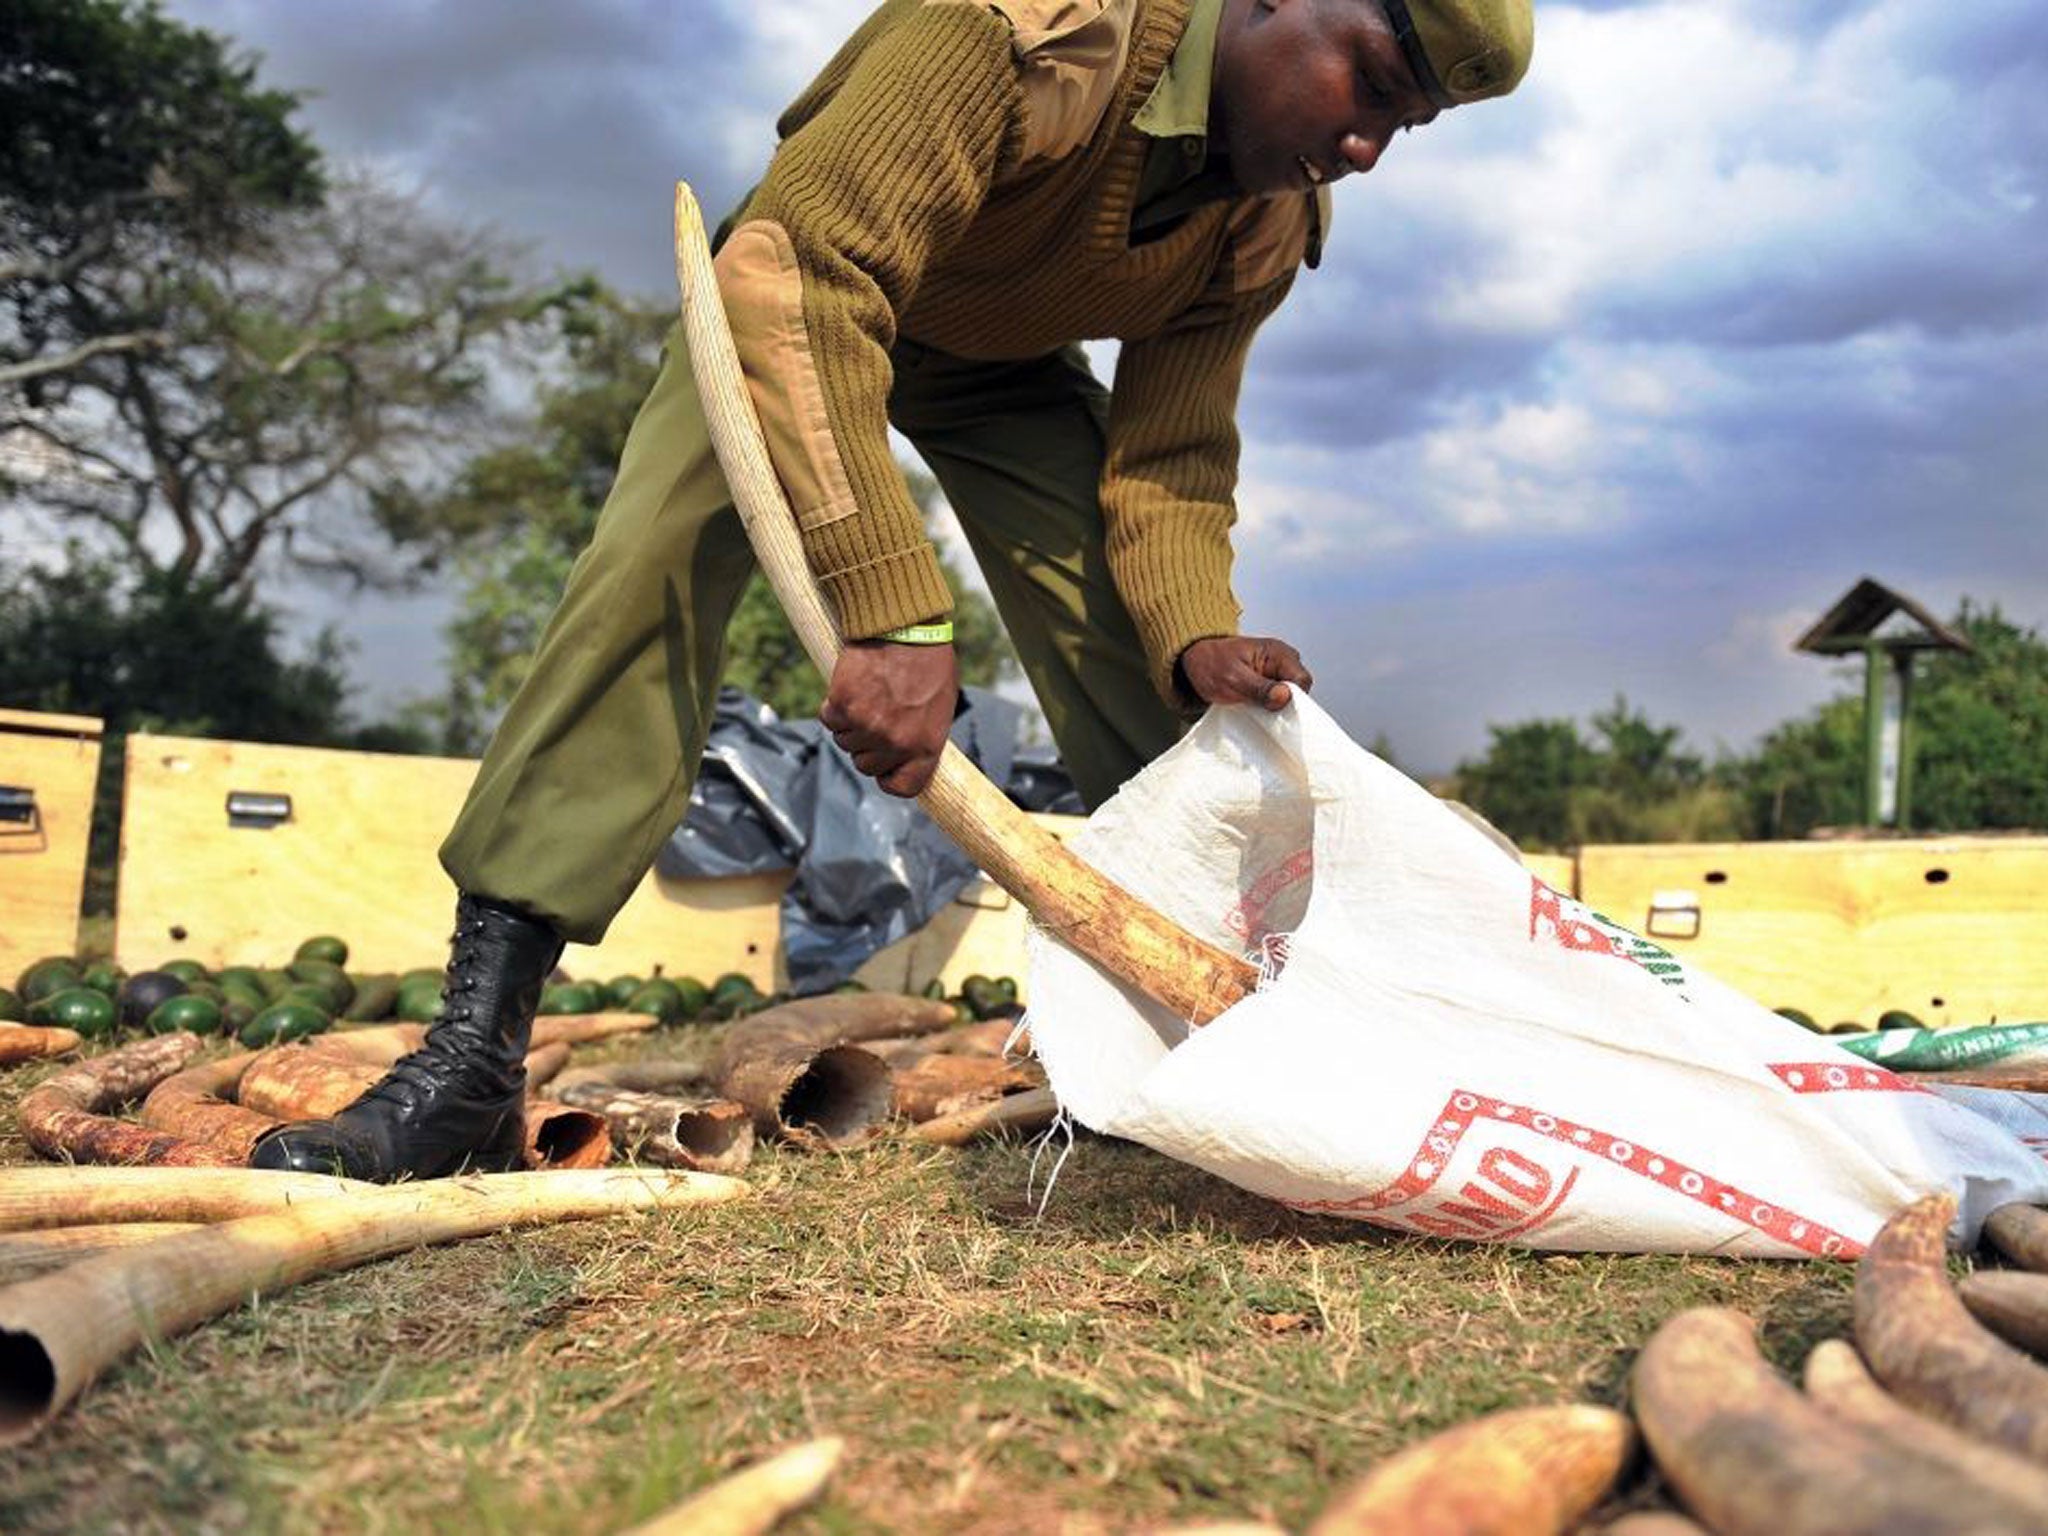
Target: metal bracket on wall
<point>19,814</point>
<point>251,808</point>
<point>1674,915</point>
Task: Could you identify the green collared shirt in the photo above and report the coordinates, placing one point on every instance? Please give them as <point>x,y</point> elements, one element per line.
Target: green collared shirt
<point>1180,172</point>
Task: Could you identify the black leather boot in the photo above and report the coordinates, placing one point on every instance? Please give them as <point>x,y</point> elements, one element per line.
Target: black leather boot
<point>457,1102</point>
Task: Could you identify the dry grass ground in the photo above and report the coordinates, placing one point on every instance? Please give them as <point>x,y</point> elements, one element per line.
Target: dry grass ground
<point>1156,1345</point>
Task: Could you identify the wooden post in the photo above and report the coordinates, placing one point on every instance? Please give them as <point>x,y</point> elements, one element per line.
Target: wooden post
<point>1873,733</point>
<point>1903,660</point>
<point>49,770</point>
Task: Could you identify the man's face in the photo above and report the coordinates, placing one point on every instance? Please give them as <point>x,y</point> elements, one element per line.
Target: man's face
<point>1309,90</point>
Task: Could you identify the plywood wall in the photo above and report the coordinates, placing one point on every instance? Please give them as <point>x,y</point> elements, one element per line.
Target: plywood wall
<point>1559,871</point>
<point>1953,930</point>
<point>357,858</point>
<point>42,858</point>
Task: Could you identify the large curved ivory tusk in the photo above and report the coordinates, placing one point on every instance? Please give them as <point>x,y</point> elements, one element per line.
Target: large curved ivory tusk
<point>197,1105</point>
<point>303,1082</point>
<point>1930,1353</point>
<point>359,1058</point>
<point>2020,1232</point>
<point>1836,1378</point>
<point>1532,1471</point>
<point>31,1253</point>
<point>34,1197</point>
<point>1063,894</point>
<point>58,1332</point>
<point>1750,1456</point>
<point>751,1503</point>
<point>1021,1114</point>
<point>67,1117</point>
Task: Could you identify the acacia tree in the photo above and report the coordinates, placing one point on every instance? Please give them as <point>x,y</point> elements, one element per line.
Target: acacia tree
<point>523,513</point>
<point>209,351</point>
<point>128,139</point>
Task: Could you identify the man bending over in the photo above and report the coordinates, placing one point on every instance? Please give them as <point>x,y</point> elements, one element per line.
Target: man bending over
<point>968,191</point>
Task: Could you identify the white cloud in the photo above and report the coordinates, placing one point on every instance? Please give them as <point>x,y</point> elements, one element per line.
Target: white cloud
<point>1754,639</point>
<point>1597,387</point>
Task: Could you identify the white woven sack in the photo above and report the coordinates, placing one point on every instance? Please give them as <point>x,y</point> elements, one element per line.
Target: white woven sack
<point>1450,1047</point>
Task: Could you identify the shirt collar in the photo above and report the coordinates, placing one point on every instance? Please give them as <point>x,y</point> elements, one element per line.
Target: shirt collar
<point>1179,104</point>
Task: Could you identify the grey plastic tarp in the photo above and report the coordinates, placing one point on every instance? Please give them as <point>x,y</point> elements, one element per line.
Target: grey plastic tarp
<point>870,868</point>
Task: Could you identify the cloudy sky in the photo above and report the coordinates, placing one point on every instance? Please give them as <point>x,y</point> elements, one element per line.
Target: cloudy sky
<point>1612,386</point>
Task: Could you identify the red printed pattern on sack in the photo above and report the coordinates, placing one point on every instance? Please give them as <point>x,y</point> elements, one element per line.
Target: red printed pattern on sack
<point>1274,949</point>
<point>1840,1077</point>
<point>1521,1193</point>
<point>1570,925</point>
<point>1249,915</point>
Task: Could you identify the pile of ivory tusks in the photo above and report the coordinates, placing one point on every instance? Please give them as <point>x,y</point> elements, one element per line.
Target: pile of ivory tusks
<point>1929,1423</point>
<point>249,1233</point>
<point>1935,1420</point>
<point>827,1073</point>
<point>208,1114</point>
<point>147,1251</point>
<point>1522,1470</point>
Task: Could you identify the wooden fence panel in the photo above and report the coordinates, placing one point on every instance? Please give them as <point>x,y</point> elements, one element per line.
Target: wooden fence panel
<point>48,766</point>
<point>356,856</point>
<point>1952,930</point>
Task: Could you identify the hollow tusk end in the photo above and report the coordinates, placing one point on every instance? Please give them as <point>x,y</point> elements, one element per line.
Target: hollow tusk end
<point>28,1385</point>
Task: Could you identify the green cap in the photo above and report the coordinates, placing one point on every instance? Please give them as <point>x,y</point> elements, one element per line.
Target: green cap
<point>1464,50</point>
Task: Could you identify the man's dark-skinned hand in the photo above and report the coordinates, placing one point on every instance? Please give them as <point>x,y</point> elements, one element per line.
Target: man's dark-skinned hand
<point>889,707</point>
<point>1243,669</point>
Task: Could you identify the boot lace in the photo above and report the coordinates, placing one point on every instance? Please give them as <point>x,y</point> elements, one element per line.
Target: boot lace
<point>441,1054</point>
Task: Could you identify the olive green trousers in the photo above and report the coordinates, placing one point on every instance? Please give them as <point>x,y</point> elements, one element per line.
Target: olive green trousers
<point>590,770</point>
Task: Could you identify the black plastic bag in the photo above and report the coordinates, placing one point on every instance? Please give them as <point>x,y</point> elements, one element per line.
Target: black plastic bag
<point>871,868</point>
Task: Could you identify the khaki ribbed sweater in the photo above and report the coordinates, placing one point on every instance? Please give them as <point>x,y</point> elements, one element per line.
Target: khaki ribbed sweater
<point>917,203</point>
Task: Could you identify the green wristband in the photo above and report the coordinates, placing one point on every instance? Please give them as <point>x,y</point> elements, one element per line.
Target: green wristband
<point>940,633</point>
